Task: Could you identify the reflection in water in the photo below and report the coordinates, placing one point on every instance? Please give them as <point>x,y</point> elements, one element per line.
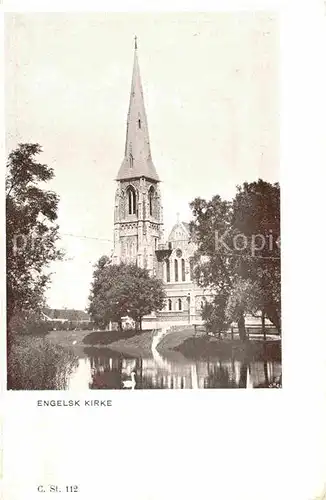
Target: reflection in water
<point>105,369</point>
<point>81,377</point>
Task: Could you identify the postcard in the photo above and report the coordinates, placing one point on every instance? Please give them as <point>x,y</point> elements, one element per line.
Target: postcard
<point>147,158</point>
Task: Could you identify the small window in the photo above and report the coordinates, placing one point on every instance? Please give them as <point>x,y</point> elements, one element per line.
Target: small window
<point>131,161</point>
<point>180,304</point>
<point>151,199</point>
<point>183,270</point>
<point>170,245</point>
<point>139,123</point>
<point>170,304</point>
<point>176,270</point>
<point>168,271</point>
<point>131,200</point>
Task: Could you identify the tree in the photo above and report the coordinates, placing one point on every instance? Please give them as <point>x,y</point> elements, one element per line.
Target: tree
<point>104,305</point>
<point>256,215</point>
<point>215,267</point>
<point>123,290</point>
<point>32,233</point>
<point>244,297</point>
<point>231,259</point>
<point>214,314</point>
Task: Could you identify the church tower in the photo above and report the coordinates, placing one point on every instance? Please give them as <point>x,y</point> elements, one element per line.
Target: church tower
<point>138,218</point>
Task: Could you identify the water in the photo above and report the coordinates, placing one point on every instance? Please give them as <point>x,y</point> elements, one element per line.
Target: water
<point>101,368</point>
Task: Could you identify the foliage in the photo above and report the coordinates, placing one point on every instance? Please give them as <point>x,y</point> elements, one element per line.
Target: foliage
<point>214,314</point>
<point>70,325</point>
<point>243,277</point>
<point>244,297</point>
<point>256,214</point>
<point>27,323</point>
<point>104,304</point>
<point>35,364</point>
<point>31,212</point>
<point>215,269</point>
<point>67,314</point>
<point>123,290</point>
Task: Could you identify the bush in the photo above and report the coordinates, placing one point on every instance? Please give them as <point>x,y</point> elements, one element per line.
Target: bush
<point>213,314</point>
<point>70,325</point>
<point>87,326</point>
<point>29,324</point>
<point>35,364</point>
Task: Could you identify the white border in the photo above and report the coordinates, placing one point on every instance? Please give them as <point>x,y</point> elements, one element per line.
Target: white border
<point>216,444</point>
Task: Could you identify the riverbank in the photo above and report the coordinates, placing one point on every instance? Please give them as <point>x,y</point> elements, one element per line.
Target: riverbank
<point>130,342</point>
<point>190,344</point>
<point>205,347</point>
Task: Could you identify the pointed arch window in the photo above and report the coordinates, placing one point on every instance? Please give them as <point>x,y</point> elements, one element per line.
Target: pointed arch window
<point>151,199</point>
<point>168,271</point>
<point>131,196</point>
<point>170,304</point>
<point>131,161</point>
<point>180,304</point>
<point>139,123</point>
<point>183,270</point>
<point>176,270</point>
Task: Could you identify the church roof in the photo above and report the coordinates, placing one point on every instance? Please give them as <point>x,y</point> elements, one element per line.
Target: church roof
<point>182,229</point>
<point>187,226</point>
<point>137,160</point>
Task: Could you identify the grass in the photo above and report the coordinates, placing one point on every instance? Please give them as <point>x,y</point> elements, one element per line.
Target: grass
<point>191,345</point>
<point>134,343</point>
<point>174,339</point>
<point>66,338</point>
<point>140,344</point>
<point>108,338</point>
<point>206,346</point>
<point>36,364</point>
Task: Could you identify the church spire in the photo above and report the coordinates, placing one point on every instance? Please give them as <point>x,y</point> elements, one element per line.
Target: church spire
<point>137,160</point>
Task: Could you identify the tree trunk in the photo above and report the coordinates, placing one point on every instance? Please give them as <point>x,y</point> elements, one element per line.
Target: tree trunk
<point>263,329</point>
<point>140,324</point>
<point>242,328</point>
<point>9,317</point>
<point>274,316</point>
<point>10,306</point>
<point>120,325</point>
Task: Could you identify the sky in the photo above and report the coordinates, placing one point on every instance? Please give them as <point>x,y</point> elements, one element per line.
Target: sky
<point>211,91</point>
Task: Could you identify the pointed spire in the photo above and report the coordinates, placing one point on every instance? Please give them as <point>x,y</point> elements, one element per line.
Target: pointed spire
<point>137,160</point>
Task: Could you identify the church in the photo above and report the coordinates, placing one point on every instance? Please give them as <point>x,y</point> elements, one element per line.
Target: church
<point>138,221</point>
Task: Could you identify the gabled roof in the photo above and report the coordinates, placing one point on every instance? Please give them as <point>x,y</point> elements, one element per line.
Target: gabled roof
<point>187,226</point>
<point>137,160</point>
<point>183,228</point>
